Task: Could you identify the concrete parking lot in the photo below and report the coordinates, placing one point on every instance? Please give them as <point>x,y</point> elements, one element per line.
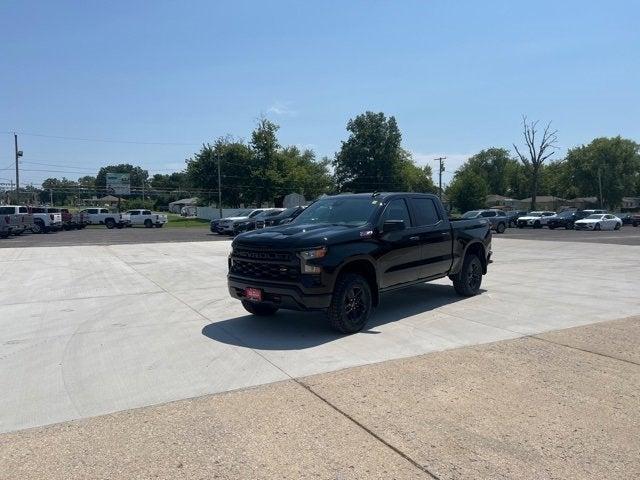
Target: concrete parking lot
<point>89,330</point>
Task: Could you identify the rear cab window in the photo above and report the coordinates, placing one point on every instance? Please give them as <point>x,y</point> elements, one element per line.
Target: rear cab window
<point>425,211</point>
<point>23,210</point>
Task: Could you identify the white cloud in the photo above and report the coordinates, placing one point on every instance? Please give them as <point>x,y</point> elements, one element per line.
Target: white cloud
<point>282,108</point>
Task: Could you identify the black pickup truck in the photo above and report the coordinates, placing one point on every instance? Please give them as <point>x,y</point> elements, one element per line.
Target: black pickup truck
<point>343,251</point>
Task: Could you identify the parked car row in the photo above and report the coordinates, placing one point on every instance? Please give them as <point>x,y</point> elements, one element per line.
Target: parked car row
<point>17,219</point>
<point>569,219</point>
<point>254,219</point>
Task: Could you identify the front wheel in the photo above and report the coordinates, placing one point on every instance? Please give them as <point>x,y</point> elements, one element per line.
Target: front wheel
<point>568,226</point>
<point>110,223</point>
<point>259,309</point>
<point>148,223</point>
<point>37,228</point>
<point>351,304</point>
<point>617,227</point>
<point>467,282</point>
<point>537,224</point>
<point>501,228</point>
<point>597,227</point>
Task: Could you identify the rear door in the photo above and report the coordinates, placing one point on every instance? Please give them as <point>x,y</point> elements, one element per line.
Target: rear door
<point>399,260</point>
<point>436,242</point>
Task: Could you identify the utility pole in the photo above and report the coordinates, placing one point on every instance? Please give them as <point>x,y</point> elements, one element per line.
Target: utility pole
<point>600,185</point>
<point>18,155</point>
<point>51,196</point>
<point>219,186</point>
<point>440,170</point>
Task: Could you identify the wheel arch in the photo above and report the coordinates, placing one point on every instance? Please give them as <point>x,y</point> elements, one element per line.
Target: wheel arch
<point>365,267</point>
<point>477,248</point>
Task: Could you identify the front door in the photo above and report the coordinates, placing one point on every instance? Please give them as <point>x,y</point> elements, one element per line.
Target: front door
<point>436,241</point>
<point>399,259</point>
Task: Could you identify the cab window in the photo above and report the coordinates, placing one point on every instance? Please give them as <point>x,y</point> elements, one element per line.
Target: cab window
<point>488,214</point>
<point>23,210</point>
<point>397,210</point>
<point>104,210</point>
<point>146,212</point>
<point>425,211</point>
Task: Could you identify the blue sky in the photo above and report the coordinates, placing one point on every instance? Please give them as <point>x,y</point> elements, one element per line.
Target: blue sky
<point>457,75</point>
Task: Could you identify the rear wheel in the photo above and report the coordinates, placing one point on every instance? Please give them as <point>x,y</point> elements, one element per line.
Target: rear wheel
<point>38,227</point>
<point>501,228</point>
<point>537,224</point>
<point>351,304</point>
<point>259,309</point>
<point>467,282</point>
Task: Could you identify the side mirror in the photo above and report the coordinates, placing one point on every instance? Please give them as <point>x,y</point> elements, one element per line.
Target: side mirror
<point>393,226</point>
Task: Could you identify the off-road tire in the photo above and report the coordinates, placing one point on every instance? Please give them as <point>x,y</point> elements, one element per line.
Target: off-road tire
<point>351,296</point>
<point>467,282</point>
<point>259,309</point>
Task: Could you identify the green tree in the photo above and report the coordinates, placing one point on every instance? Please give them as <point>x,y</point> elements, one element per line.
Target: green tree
<point>495,165</point>
<point>613,162</point>
<point>468,191</point>
<point>372,158</point>
<point>61,191</point>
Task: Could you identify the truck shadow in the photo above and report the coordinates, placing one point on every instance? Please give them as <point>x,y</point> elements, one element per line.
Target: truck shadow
<point>289,330</point>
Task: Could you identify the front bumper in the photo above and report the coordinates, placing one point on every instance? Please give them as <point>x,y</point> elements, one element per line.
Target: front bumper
<point>288,296</point>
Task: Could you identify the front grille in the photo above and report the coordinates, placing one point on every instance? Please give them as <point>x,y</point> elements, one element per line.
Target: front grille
<point>269,255</point>
<point>264,270</point>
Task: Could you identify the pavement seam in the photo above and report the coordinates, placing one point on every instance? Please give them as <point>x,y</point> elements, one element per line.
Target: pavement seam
<point>367,430</point>
<point>583,350</point>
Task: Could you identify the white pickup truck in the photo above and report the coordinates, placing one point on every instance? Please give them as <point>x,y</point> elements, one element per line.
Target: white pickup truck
<point>102,216</point>
<point>45,221</point>
<point>147,218</point>
<point>17,217</point>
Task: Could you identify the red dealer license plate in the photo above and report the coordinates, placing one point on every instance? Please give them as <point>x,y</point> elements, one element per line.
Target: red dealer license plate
<point>253,294</point>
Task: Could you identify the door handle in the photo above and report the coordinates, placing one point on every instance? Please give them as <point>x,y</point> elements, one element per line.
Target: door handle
<point>414,238</point>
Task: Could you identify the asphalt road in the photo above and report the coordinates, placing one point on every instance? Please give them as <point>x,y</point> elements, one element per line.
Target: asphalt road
<point>627,235</point>
<point>99,235</point>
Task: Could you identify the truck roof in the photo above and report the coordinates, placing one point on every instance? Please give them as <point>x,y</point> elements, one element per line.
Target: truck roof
<point>381,195</point>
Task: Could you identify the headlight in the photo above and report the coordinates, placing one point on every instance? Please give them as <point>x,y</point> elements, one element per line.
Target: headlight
<point>316,253</point>
<point>306,255</point>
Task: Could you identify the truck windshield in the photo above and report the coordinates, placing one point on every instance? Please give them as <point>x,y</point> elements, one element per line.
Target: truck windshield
<point>340,211</point>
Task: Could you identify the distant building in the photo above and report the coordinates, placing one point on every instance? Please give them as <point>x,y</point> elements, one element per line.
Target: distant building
<point>631,203</point>
<point>543,202</point>
<point>584,202</point>
<point>498,201</point>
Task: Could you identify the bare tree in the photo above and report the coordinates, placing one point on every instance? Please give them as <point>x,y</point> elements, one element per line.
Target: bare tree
<point>538,152</point>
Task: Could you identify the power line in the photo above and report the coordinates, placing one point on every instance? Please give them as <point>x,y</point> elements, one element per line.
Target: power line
<point>105,140</point>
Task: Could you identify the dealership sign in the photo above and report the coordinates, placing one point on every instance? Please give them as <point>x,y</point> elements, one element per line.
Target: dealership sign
<point>118,183</point>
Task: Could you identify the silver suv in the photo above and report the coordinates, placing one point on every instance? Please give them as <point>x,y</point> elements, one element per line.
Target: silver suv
<point>497,218</point>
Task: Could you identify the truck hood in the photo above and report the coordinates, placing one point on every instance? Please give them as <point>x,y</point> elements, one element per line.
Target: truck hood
<point>300,236</point>
<point>232,219</point>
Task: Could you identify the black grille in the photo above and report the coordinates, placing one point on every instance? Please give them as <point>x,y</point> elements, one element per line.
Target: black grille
<point>264,270</point>
<point>268,255</point>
